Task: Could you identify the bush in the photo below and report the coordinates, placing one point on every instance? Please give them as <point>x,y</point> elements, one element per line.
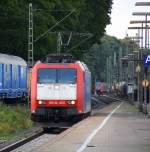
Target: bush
<point>13,119</point>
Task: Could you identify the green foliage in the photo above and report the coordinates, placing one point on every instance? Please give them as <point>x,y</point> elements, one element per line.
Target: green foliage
<point>89,16</point>
<point>96,17</point>
<point>97,56</point>
<point>13,119</point>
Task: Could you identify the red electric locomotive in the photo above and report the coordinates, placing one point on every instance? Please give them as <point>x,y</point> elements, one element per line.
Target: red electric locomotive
<point>60,89</point>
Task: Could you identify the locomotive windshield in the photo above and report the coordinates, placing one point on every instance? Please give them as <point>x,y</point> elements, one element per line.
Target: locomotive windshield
<point>47,76</point>
<point>67,76</point>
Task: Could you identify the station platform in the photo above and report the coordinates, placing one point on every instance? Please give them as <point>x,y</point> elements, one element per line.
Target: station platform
<point>118,127</point>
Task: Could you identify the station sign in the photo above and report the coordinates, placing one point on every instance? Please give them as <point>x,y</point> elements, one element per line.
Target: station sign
<point>147,60</point>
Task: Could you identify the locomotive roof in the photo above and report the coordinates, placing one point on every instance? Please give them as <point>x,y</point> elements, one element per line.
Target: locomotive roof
<point>82,65</point>
<point>11,59</point>
<point>59,58</point>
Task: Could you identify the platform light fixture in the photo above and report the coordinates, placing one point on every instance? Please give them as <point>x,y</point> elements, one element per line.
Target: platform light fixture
<point>139,21</point>
<point>141,13</point>
<point>142,4</point>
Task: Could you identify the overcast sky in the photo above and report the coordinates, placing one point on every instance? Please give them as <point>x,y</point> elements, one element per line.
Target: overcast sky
<point>121,16</point>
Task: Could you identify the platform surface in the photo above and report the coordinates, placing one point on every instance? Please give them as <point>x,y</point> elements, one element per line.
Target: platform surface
<point>124,130</point>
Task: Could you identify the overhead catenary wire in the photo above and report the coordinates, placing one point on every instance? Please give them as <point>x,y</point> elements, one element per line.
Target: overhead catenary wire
<point>50,29</point>
<point>84,40</point>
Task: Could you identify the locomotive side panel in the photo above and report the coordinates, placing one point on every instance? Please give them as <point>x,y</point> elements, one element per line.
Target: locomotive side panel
<point>84,88</point>
<point>87,91</point>
<point>33,89</point>
<point>80,90</point>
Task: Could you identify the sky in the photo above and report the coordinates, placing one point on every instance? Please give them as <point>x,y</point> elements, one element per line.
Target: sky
<point>121,16</point>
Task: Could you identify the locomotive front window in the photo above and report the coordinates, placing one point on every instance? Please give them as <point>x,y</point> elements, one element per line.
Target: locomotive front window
<point>67,76</point>
<point>47,76</point>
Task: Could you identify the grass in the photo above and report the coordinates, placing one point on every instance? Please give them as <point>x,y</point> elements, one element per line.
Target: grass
<point>13,120</point>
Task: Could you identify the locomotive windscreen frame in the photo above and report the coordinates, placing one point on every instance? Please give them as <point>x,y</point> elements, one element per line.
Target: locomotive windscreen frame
<point>53,75</point>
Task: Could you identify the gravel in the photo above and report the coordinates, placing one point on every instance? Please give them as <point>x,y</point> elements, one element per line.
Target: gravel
<point>35,144</point>
<point>22,135</point>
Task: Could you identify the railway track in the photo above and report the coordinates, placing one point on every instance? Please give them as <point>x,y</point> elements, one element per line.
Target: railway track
<point>33,141</point>
<point>40,137</point>
<point>22,142</point>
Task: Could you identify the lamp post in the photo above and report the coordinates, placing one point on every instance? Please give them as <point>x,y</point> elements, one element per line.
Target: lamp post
<point>141,105</point>
<point>140,53</point>
<point>146,14</point>
<point>135,39</point>
<point>138,70</point>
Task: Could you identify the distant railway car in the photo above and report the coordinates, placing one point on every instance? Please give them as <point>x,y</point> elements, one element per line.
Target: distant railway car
<point>101,88</point>
<point>60,91</point>
<point>123,87</point>
<point>13,77</point>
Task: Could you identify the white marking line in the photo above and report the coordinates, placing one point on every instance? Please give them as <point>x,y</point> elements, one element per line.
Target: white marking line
<point>89,138</point>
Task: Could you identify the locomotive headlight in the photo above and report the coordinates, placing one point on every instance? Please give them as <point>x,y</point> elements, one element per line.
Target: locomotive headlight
<point>73,102</point>
<point>40,102</point>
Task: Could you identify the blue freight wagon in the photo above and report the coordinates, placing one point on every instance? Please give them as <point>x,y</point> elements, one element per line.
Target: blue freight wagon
<point>13,77</point>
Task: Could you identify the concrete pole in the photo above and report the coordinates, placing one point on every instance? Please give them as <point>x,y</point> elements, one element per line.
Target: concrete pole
<point>142,40</point>
<point>145,71</point>
<point>148,106</point>
<point>120,64</point>
<point>148,38</point>
<point>138,93</point>
<point>59,43</point>
<point>107,64</point>
<point>110,72</point>
<point>146,33</point>
<point>140,105</point>
<point>114,69</point>
<point>114,59</point>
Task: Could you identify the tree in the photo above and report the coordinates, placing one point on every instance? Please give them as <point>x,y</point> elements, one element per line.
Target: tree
<point>97,56</point>
<point>89,16</point>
